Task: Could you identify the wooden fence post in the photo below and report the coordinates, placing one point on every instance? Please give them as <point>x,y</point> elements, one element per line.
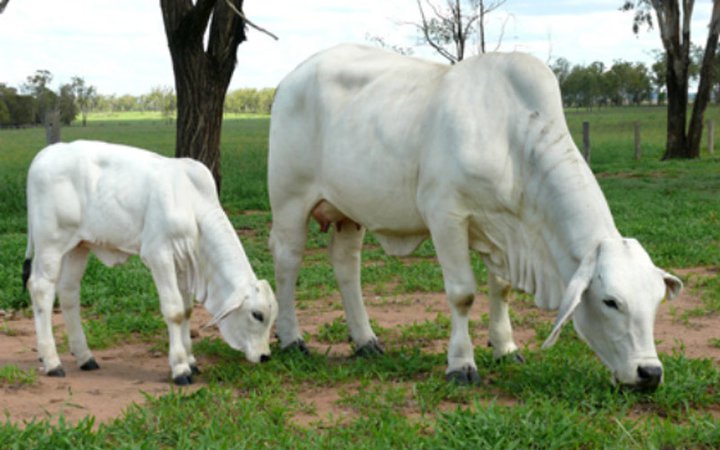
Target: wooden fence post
<point>711,136</point>
<point>637,140</point>
<point>52,126</point>
<point>586,141</point>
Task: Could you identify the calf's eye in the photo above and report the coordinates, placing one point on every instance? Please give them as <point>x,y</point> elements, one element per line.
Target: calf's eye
<point>610,303</point>
<point>257,315</point>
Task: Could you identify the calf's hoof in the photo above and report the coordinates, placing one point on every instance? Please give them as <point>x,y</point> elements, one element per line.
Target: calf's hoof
<point>183,380</point>
<point>464,376</point>
<point>194,369</point>
<point>514,357</point>
<point>372,348</point>
<point>297,346</point>
<point>56,372</point>
<point>90,364</point>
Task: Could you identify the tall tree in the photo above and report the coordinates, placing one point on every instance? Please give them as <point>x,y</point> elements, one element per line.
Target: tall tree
<point>673,20</point>
<point>203,69</point>
<point>85,97</point>
<point>448,28</point>
<point>47,103</point>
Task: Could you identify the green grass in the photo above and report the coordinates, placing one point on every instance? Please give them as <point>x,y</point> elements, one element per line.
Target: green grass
<point>560,398</point>
<point>11,375</point>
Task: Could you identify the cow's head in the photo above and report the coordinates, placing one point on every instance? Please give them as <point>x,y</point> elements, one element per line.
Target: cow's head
<point>613,298</point>
<point>246,325</point>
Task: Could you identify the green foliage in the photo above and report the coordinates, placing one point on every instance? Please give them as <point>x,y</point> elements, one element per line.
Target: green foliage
<point>249,101</point>
<point>11,374</point>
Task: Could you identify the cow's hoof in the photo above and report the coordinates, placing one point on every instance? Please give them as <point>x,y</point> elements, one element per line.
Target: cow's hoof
<point>372,348</point>
<point>56,372</point>
<point>194,369</point>
<point>464,376</point>
<point>297,346</point>
<point>183,380</point>
<point>90,364</point>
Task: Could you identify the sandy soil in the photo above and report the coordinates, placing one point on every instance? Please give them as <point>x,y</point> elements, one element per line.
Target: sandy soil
<point>129,372</point>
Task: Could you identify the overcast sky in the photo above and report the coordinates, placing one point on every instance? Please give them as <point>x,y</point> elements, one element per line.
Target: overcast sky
<point>120,46</point>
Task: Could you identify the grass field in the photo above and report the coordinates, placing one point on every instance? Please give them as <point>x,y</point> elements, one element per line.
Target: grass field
<point>559,398</point>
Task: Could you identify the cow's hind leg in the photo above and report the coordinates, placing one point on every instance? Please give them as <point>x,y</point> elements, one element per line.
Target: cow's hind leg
<point>451,246</point>
<point>68,289</point>
<point>500,330</point>
<point>41,284</point>
<point>345,246</point>
<point>287,244</point>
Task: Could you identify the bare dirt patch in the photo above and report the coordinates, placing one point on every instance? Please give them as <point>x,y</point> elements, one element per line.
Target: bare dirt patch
<point>130,371</point>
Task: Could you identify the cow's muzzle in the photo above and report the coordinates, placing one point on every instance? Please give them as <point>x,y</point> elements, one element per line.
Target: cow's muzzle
<point>648,379</point>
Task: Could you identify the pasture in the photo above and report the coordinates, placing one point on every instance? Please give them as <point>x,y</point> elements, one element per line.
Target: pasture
<point>559,398</point>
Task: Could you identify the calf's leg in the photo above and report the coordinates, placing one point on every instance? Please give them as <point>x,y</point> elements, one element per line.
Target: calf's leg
<point>162,266</point>
<point>186,338</point>
<point>68,289</point>
<point>43,278</point>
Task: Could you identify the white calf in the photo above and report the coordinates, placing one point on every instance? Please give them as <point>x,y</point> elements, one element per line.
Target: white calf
<point>117,201</point>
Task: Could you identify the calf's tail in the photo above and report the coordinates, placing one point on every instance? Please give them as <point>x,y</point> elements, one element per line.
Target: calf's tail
<point>27,265</point>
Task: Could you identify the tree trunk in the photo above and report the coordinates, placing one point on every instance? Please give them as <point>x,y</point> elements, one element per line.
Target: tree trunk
<point>706,81</point>
<point>677,101</point>
<point>202,74</point>
<point>676,41</point>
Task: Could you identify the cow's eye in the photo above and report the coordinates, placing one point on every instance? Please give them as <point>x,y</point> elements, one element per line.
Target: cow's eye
<point>610,303</point>
<point>257,315</point>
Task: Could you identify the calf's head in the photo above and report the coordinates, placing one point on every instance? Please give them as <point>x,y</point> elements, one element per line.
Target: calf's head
<point>613,298</point>
<point>245,325</point>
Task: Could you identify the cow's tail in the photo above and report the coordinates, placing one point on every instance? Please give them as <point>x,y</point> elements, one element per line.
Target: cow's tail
<point>27,264</point>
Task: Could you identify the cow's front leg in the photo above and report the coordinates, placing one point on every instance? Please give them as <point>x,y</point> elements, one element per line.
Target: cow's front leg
<point>68,290</point>
<point>173,310</point>
<point>345,246</point>
<point>500,330</point>
<point>451,247</point>
<point>44,275</point>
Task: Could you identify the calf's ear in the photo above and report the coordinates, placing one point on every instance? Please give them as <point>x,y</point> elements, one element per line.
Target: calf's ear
<point>573,295</point>
<point>265,290</point>
<point>672,284</point>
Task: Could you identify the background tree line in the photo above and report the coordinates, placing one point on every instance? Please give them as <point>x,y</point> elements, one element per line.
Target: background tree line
<point>623,83</point>
<point>29,104</point>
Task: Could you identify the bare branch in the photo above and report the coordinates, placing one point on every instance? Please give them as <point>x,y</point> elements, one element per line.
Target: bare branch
<point>492,7</point>
<point>3,4</point>
<point>502,34</point>
<point>425,30</point>
<point>436,11</point>
<point>247,21</point>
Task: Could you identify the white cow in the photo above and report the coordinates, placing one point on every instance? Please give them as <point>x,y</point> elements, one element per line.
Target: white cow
<point>476,156</point>
<point>116,201</point>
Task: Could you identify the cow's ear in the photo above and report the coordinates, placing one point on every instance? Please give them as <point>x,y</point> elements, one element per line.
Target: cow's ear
<point>672,283</point>
<point>573,295</point>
